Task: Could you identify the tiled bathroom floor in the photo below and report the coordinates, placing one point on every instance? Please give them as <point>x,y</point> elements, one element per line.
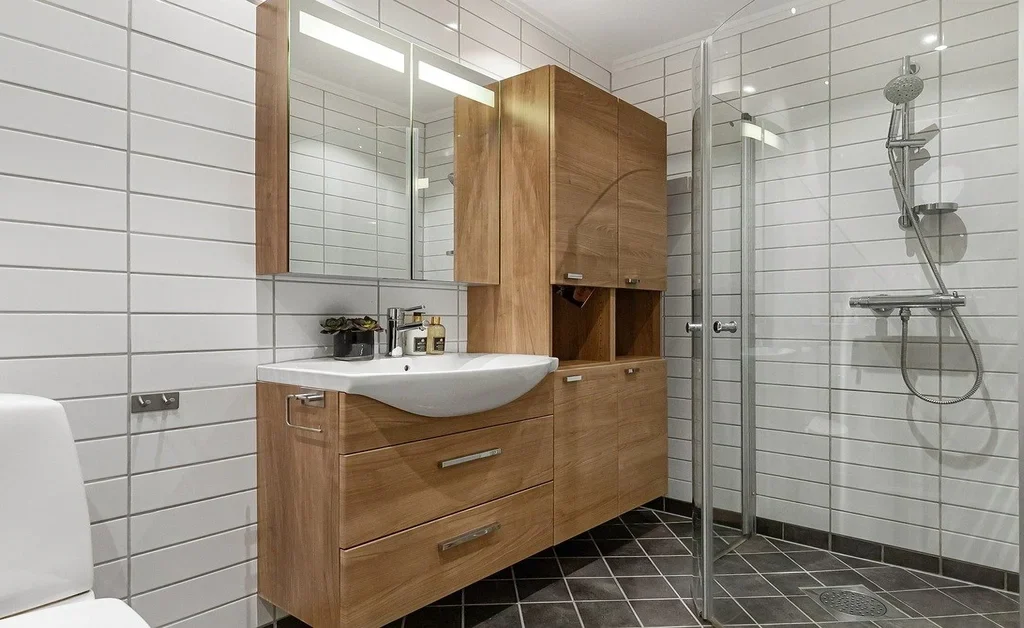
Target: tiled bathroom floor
<point>636,571</point>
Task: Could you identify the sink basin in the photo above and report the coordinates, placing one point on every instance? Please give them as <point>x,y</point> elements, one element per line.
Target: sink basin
<point>453,384</point>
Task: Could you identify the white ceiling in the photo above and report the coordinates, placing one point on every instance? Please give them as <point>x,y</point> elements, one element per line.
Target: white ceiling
<point>613,29</point>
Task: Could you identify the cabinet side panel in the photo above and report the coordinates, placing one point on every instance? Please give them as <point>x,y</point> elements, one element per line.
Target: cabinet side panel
<point>272,137</point>
<point>643,199</point>
<point>477,190</point>
<point>297,505</point>
<point>513,317</point>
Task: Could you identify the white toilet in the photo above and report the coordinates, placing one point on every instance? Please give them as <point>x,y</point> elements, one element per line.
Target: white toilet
<point>45,540</point>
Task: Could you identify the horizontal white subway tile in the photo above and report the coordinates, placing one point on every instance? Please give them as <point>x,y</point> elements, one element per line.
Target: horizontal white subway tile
<point>111,580</point>
<point>987,497</point>
<point>173,371</point>
<point>873,504</point>
<point>157,254</point>
<point>177,141</point>
<point>37,290</point>
<point>199,295</point>
<point>109,540</point>
<point>59,160</point>
<point>31,335</point>
<point>161,450</point>
<point>174,217</point>
<point>918,538</point>
<point>61,73</point>
<point>167,61</point>
<point>188,560</point>
<point>34,111</point>
<point>115,11</point>
<point>107,499</point>
<point>193,30</point>
<point>887,481</point>
<point>984,551</point>
<point>546,44</point>
<point>163,177</point>
<point>166,527</point>
<point>800,23</point>
<point>186,598</point>
<point>242,16</point>
<point>103,458</point>
<point>67,31</point>
<point>590,70</point>
<point>200,332</point>
<point>435,33</point>
<point>97,417</point>
<point>35,200</point>
<point>171,487</point>
<point>62,378</point>
<point>200,407</point>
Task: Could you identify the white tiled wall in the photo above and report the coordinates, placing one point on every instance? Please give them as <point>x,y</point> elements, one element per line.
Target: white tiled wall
<point>841,444</point>
<point>127,266</point>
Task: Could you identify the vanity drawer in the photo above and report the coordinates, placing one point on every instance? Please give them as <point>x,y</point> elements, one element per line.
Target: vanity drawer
<point>388,578</point>
<point>393,488</point>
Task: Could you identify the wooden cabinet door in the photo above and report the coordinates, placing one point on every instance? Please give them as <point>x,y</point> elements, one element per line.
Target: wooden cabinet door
<point>643,200</point>
<point>643,433</point>
<point>586,449</point>
<point>584,168</point>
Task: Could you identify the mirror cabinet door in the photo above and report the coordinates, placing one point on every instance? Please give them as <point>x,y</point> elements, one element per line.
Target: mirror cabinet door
<point>350,147</point>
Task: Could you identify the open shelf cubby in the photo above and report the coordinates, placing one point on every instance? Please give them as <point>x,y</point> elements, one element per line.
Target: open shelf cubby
<point>583,335</point>
<point>637,324</point>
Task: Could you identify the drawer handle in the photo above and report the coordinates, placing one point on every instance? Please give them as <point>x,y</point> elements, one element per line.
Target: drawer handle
<point>574,276</point>
<point>311,399</point>
<point>632,281</point>
<point>574,378</point>
<point>472,535</point>
<point>480,455</point>
<point>633,371</point>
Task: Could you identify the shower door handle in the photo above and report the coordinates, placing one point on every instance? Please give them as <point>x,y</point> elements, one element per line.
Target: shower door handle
<point>730,327</point>
<point>693,327</point>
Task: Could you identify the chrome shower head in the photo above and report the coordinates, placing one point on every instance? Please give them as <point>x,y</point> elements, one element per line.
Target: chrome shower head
<point>903,89</point>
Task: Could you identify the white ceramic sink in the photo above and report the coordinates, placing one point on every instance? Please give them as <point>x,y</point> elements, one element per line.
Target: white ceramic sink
<point>437,386</point>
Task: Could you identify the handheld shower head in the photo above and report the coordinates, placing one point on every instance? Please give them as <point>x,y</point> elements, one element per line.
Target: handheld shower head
<point>903,89</point>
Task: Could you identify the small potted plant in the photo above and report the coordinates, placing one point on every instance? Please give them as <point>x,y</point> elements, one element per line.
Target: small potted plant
<point>353,337</point>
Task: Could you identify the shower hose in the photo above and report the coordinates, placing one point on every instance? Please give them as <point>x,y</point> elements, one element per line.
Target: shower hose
<point>905,312</point>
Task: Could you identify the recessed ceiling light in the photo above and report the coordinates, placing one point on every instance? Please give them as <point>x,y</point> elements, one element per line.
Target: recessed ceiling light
<point>930,38</point>
<point>350,42</point>
<point>941,48</point>
<point>749,89</point>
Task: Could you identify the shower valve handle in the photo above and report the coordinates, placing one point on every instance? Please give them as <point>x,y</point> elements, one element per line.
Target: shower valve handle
<point>730,327</point>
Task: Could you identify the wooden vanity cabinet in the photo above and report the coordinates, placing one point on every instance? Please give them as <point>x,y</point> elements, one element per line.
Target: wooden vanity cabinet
<point>642,200</point>
<point>584,173</point>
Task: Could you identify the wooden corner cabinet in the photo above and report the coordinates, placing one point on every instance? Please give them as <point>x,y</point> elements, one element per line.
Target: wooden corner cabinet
<point>367,512</point>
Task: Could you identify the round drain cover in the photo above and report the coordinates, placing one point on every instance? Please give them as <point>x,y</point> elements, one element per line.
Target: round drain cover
<point>853,603</point>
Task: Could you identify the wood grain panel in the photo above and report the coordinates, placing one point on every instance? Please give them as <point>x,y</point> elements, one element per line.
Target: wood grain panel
<point>584,168</point>
<point>418,489</point>
<point>637,323</point>
<point>272,137</point>
<point>643,199</point>
<point>643,433</point>
<point>297,505</point>
<point>586,449</point>
<point>477,190</point>
<point>583,333</point>
<point>514,317</point>
<point>368,424</point>
<point>388,578</point>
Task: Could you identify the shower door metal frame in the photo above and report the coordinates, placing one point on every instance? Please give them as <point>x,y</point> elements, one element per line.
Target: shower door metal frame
<point>702,327</point>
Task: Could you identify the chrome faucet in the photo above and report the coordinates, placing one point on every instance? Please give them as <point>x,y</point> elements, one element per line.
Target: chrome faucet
<point>397,324</point>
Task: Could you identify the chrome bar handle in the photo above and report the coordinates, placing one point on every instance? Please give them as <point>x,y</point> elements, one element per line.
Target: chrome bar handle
<point>311,399</point>
<point>472,535</point>
<point>574,276</point>
<point>730,327</point>
<point>574,378</point>
<point>480,455</point>
<point>632,281</point>
<point>633,370</point>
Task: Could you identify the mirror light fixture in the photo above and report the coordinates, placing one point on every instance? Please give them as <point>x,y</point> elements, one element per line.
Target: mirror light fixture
<point>455,84</point>
<point>350,42</point>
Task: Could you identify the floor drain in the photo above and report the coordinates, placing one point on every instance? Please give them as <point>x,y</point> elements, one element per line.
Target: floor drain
<point>852,603</point>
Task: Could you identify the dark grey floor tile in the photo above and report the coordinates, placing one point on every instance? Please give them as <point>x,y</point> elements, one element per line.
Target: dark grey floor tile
<point>492,616</point>
<point>856,563</point>
<point>550,616</point>
<point>682,584</point>
<point>619,547</point>
<point>504,574</point>
<point>640,515</point>
<point>607,614</point>
<point>843,578</point>
<point>577,547</point>
<point>490,592</point>
<point>817,560</point>
<point>757,545</point>
<point>905,623</point>
<point>900,605</point>
<point>938,582</point>
<point>435,617</point>
<point>893,578</point>
<point>982,600</point>
<point>584,567</point>
<point>595,589</point>
<point>454,599</point>
<point>746,585</point>
<point>542,591</point>
<point>811,608</point>
<point>792,583</point>
<point>674,565</point>
<point>664,547</point>
<point>776,562</point>
<point>611,531</point>
<point>548,552</point>
<point>537,568</point>
<point>772,610</point>
<point>786,546</point>
<point>727,612</point>
<point>395,624</point>
<point>969,621</point>
<point>732,564</point>
<point>646,588</point>
<point>663,613</point>
<point>1006,620</point>
<point>635,566</point>
<point>682,530</point>
<point>651,531</point>
<point>668,517</point>
<point>932,603</point>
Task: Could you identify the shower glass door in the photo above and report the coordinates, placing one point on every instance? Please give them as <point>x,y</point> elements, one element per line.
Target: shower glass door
<point>726,147</point>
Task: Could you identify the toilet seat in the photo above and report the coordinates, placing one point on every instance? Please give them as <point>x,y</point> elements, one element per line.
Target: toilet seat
<point>105,613</point>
